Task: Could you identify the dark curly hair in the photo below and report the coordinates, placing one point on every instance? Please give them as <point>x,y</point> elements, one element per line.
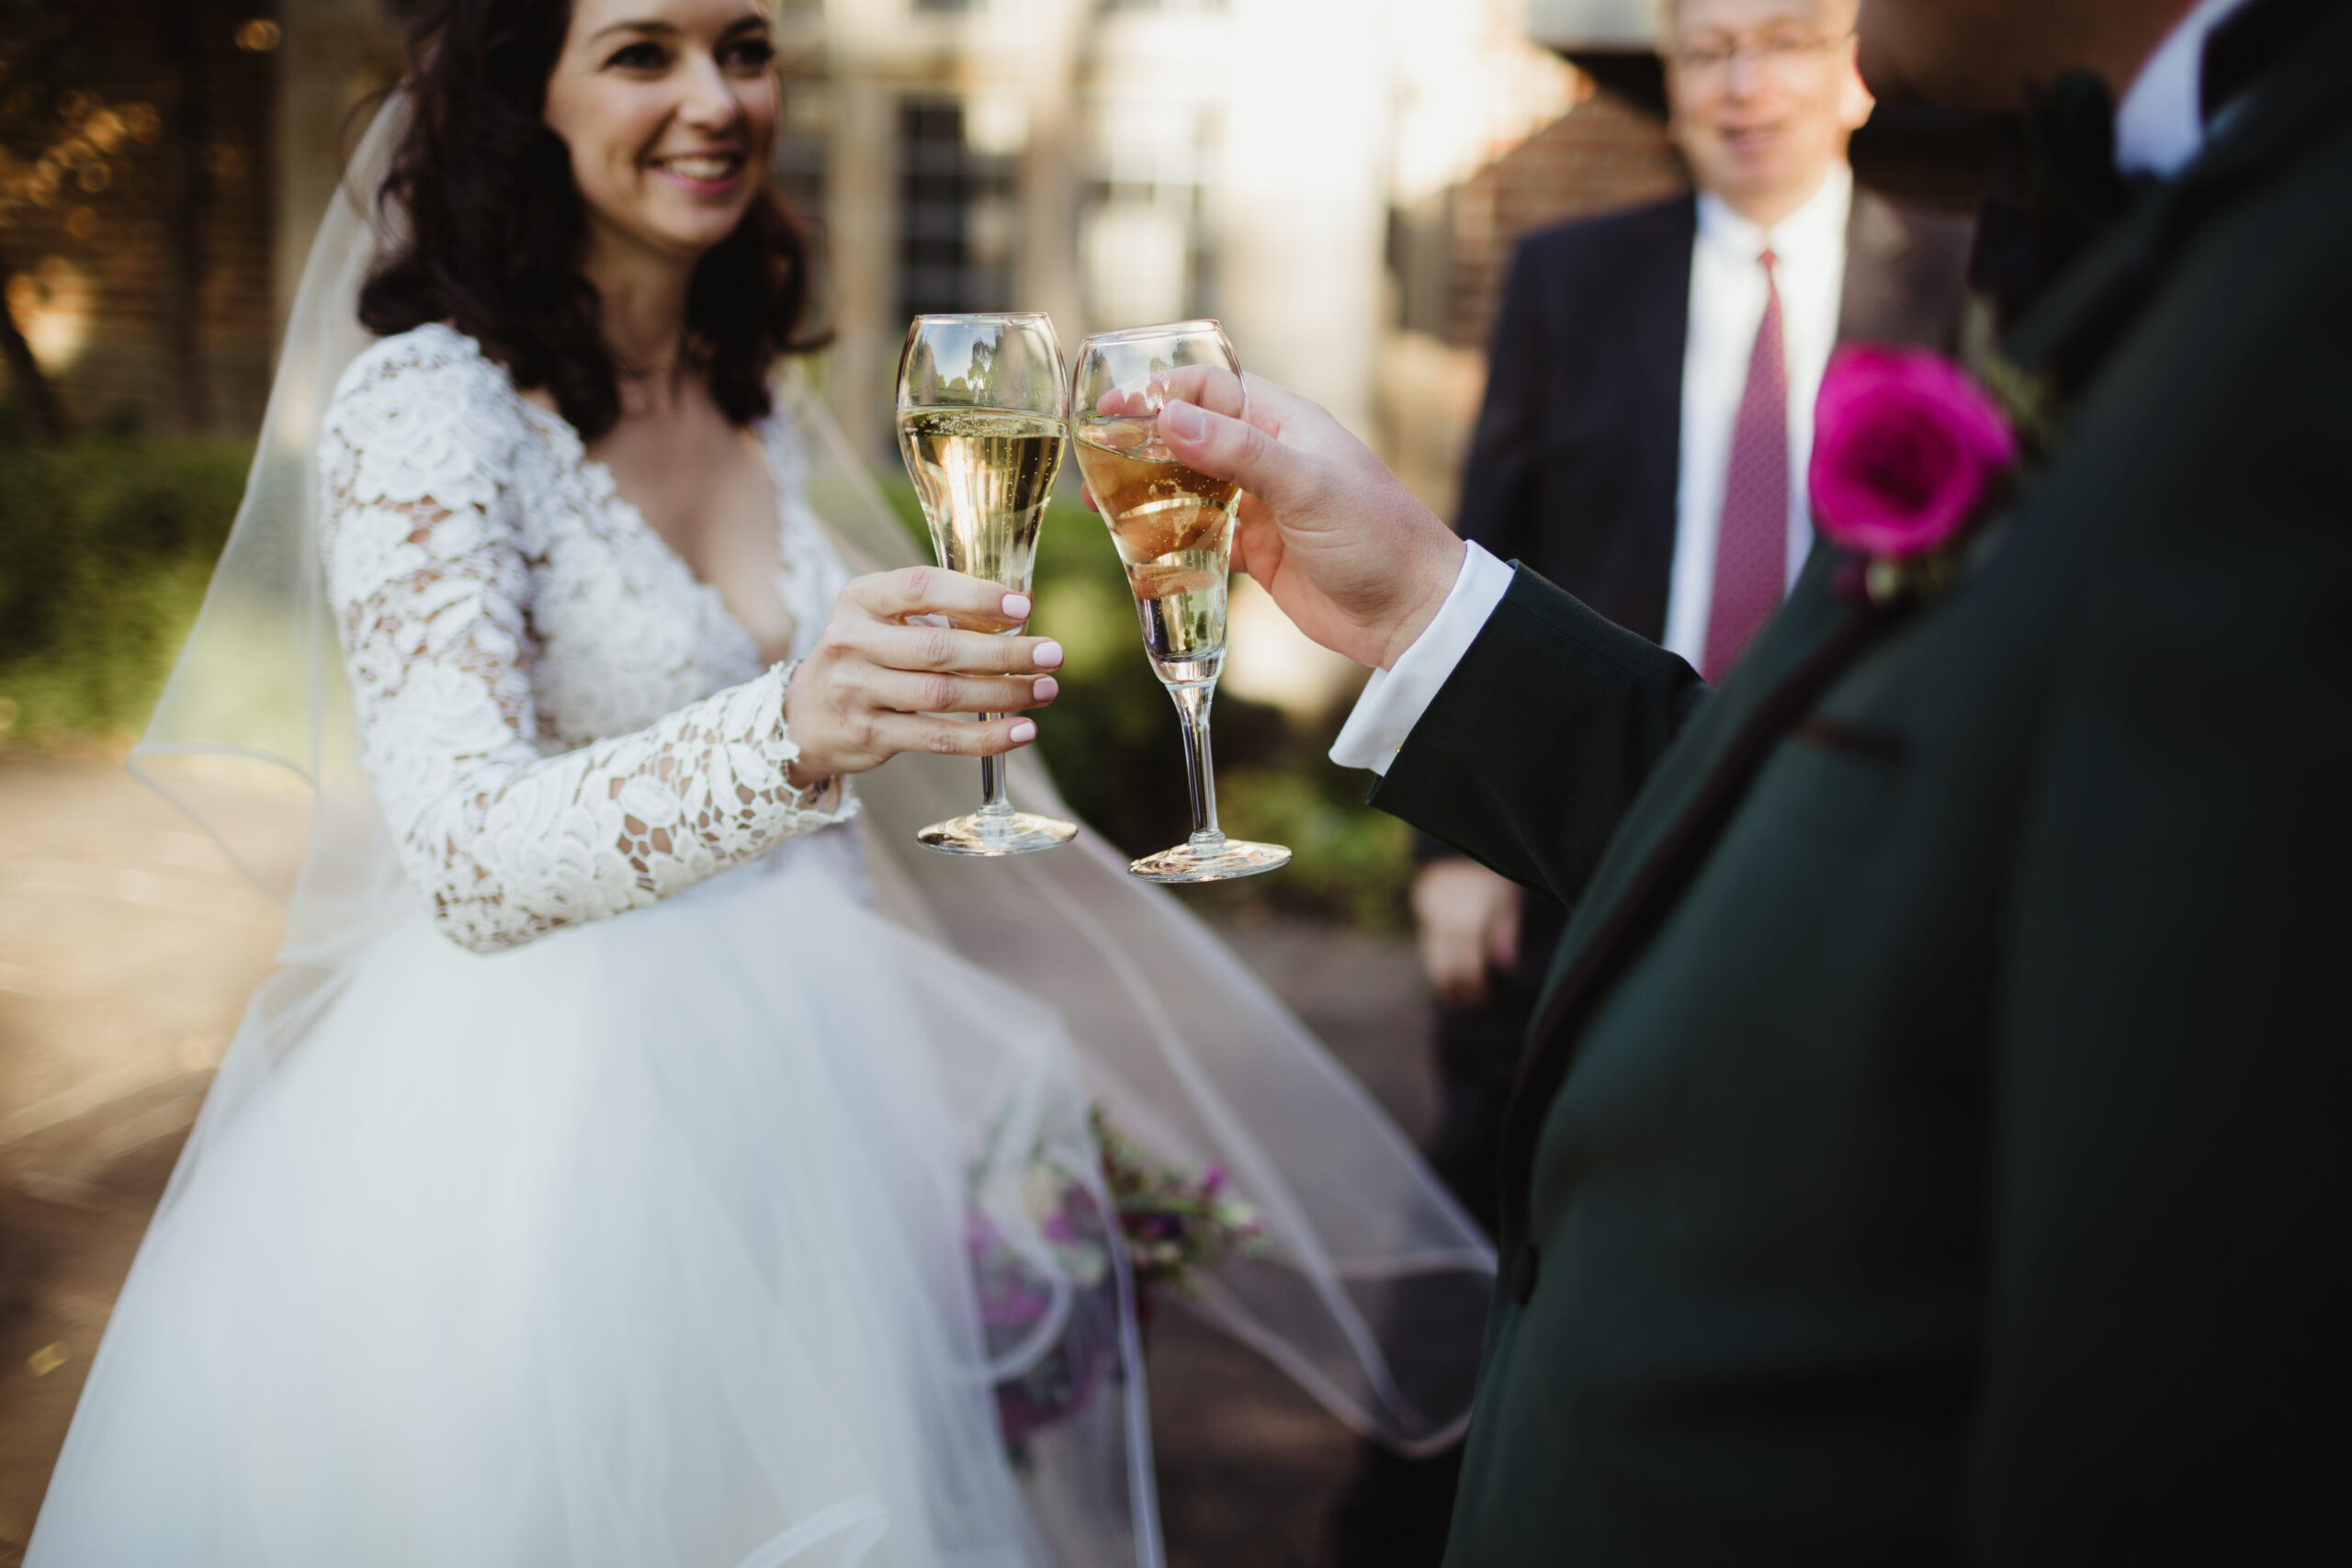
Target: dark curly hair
<point>495,225</point>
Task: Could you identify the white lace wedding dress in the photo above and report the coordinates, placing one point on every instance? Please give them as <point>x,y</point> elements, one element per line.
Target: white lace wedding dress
<point>563,1238</point>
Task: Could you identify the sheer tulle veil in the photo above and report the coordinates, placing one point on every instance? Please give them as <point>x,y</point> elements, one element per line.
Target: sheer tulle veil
<point>1371,1265</point>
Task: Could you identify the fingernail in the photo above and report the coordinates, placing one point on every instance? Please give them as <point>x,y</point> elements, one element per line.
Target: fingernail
<point>1023,732</point>
<point>1183,421</point>
<point>1048,656</point>
<point>1045,688</point>
<point>1016,606</point>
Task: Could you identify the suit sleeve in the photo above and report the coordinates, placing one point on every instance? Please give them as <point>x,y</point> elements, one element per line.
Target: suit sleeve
<point>1540,739</point>
<point>2169,1368</point>
<point>1495,477</point>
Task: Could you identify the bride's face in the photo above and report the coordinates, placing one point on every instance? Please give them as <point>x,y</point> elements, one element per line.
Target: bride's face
<point>669,107</point>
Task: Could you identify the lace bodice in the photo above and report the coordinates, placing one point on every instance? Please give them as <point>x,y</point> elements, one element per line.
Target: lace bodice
<point>561,721</point>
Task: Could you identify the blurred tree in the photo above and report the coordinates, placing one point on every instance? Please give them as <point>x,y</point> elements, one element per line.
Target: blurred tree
<point>43,411</point>
<point>45,57</point>
<point>63,142</point>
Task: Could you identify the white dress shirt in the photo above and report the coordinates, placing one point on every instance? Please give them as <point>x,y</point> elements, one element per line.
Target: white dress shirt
<point>1395,698</point>
<point>2159,128</point>
<point>1726,307</point>
<point>2160,125</point>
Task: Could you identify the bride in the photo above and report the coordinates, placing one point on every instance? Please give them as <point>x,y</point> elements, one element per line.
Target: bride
<point>597,1181</point>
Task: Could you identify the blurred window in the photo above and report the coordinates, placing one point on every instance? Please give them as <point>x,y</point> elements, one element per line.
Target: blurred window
<point>1146,235</point>
<point>956,215</point>
<point>803,159</point>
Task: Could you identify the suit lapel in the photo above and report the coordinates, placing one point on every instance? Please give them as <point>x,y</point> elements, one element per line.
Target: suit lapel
<point>1670,829</point>
<point>1802,650</point>
<point>1904,276</point>
<point>1873,305</point>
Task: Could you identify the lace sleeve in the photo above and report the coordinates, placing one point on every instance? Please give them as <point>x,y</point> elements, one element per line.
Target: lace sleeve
<point>428,575</point>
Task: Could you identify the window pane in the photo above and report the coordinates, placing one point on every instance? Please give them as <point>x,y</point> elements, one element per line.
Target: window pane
<point>1146,235</point>
<point>957,220</point>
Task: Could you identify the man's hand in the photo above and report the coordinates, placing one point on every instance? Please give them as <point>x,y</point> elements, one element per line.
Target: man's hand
<point>1339,541</point>
<point>1469,918</point>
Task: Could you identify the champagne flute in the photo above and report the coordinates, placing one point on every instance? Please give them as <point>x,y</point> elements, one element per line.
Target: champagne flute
<point>982,426</point>
<point>1173,527</point>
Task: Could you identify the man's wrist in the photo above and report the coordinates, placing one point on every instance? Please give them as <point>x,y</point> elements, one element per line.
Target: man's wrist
<point>1395,698</point>
<point>1443,570</point>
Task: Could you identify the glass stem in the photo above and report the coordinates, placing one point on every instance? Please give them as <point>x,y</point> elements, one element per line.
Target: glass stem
<point>993,802</point>
<point>1193,702</point>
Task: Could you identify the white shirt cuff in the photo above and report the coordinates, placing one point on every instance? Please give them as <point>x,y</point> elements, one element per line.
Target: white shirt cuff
<point>1395,699</point>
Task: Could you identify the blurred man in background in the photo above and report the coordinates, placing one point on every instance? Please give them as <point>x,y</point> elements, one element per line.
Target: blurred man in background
<point>1643,444</point>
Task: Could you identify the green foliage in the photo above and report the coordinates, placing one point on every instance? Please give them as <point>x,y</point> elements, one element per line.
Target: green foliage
<point>104,549</point>
<point>106,546</point>
<point>1346,859</point>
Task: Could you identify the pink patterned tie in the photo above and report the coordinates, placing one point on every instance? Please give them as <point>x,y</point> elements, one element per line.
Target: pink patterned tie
<point>1752,543</point>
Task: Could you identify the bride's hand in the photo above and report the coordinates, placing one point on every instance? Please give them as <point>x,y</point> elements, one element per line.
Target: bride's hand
<point>876,686</point>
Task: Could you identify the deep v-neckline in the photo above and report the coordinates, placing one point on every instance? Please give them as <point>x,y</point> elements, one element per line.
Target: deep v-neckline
<point>605,491</point>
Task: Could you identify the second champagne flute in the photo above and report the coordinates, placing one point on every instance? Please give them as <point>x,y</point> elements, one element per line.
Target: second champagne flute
<point>1173,527</point>
<point>980,424</point>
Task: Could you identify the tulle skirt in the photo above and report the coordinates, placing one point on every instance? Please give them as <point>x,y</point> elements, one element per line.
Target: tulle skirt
<point>645,1243</point>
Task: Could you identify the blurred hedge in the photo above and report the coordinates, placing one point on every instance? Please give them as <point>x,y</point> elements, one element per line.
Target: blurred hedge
<point>106,545</point>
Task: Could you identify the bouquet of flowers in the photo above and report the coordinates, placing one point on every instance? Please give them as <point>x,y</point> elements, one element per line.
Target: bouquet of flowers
<point>1020,1290</point>
<point>1172,1226</point>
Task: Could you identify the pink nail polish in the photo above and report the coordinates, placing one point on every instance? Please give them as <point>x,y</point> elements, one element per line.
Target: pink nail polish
<point>1016,606</point>
<point>1048,656</point>
<point>1023,732</point>
<point>1045,688</point>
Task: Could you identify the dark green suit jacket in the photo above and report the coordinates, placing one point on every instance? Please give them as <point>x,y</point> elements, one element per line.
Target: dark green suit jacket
<point>1936,1144</point>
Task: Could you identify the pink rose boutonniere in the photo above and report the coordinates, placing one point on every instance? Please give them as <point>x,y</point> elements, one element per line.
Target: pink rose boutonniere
<point>1906,451</point>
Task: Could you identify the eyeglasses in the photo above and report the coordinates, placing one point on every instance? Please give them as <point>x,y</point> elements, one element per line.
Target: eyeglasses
<point>1780,53</point>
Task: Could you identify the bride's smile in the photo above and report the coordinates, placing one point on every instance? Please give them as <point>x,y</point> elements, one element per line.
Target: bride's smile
<point>668,108</point>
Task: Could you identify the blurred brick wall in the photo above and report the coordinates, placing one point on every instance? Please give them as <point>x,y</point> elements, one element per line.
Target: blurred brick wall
<point>1448,256</point>
<point>1606,153</point>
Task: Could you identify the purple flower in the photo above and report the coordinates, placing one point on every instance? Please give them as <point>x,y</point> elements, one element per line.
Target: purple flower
<point>1016,1295</point>
<point>1905,447</point>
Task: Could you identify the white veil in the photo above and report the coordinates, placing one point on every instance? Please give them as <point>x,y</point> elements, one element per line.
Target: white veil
<point>1185,1048</point>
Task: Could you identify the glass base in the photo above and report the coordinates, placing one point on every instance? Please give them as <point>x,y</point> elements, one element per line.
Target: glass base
<point>1209,857</point>
<point>997,833</point>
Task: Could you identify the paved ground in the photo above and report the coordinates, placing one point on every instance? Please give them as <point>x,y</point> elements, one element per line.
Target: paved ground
<point>127,949</point>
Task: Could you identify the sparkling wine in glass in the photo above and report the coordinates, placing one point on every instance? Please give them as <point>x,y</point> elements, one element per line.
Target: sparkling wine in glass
<point>981,427</point>
<point>1173,528</point>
